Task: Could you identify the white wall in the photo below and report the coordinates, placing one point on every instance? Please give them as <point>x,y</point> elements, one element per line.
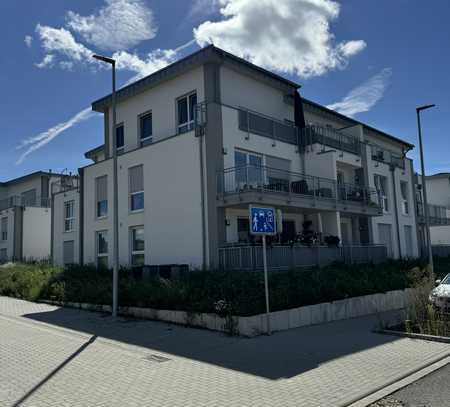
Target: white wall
<point>161,101</point>
<point>36,233</point>
<point>59,235</point>
<point>172,214</point>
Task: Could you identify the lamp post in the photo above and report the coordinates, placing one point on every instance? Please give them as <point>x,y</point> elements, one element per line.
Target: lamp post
<point>112,62</point>
<point>424,188</point>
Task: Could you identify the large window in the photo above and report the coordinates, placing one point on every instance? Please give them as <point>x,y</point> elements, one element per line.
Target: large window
<point>382,190</point>
<point>277,173</point>
<point>137,246</point>
<point>102,249</point>
<point>186,112</point>
<point>146,129</point>
<point>120,139</point>
<point>136,182</point>
<point>69,216</point>
<point>405,201</point>
<point>4,228</point>
<point>101,188</point>
<point>249,171</point>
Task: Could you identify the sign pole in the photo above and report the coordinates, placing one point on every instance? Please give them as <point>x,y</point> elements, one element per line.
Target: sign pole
<point>266,283</point>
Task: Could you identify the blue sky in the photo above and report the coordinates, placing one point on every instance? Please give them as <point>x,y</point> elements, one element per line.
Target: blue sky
<point>376,60</point>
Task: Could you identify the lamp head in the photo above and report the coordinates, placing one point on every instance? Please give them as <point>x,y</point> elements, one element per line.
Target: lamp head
<point>104,59</point>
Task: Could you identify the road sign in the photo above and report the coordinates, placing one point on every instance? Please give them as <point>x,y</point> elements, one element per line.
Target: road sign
<point>262,221</point>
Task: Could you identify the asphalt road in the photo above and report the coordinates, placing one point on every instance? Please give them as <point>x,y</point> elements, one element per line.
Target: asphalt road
<point>430,391</point>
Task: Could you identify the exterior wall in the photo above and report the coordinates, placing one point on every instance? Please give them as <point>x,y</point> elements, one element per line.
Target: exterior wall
<point>172,214</point>
<point>8,244</point>
<point>161,101</point>
<point>440,235</point>
<point>36,233</point>
<point>242,91</point>
<point>59,235</point>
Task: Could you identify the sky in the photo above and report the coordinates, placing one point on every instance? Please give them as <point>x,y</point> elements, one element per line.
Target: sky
<point>374,60</point>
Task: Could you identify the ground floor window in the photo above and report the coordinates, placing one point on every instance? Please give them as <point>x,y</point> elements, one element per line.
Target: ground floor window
<point>137,246</point>
<point>102,249</point>
<point>3,255</point>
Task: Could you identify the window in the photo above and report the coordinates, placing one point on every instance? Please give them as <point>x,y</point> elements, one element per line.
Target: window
<point>405,202</point>
<point>146,129</point>
<point>243,226</point>
<point>69,216</point>
<point>68,252</point>
<point>277,173</point>
<point>102,249</point>
<point>381,187</point>
<point>3,256</point>
<point>186,112</point>
<point>249,171</point>
<point>4,228</point>
<point>136,185</point>
<point>102,196</point>
<point>137,246</point>
<point>29,198</point>
<point>120,139</point>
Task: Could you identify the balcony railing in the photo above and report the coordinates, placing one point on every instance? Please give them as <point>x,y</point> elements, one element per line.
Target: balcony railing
<point>330,137</point>
<point>238,180</point>
<point>12,201</point>
<point>386,156</point>
<point>256,123</point>
<point>438,214</point>
<point>250,258</point>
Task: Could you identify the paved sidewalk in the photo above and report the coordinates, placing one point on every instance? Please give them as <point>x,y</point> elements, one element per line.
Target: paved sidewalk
<point>50,356</point>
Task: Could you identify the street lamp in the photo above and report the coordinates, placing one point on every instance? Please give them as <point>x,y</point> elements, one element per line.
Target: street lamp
<point>112,62</point>
<point>424,187</point>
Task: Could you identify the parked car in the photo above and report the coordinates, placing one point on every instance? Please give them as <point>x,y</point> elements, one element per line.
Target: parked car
<point>440,296</point>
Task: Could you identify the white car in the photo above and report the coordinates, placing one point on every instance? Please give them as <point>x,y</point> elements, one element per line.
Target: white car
<point>440,296</point>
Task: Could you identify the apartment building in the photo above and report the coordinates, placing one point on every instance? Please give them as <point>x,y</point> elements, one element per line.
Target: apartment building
<point>25,216</point>
<point>201,140</point>
<point>438,194</point>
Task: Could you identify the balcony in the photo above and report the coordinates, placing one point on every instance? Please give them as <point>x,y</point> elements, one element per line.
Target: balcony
<point>16,200</point>
<point>386,156</point>
<point>438,215</point>
<point>330,137</point>
<point>252,184</point>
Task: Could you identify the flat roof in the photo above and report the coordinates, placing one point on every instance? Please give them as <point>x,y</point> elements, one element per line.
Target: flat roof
<point>206,54</point>
<point>31,175</point>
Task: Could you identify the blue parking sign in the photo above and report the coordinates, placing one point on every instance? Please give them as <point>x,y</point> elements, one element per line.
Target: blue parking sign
<point>262,221</point>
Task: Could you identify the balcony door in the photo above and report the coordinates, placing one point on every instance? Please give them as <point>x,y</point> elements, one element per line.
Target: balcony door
<point>249,170</point>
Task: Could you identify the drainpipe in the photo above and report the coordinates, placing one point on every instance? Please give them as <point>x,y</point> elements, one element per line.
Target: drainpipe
<point>52,225</point>
<point>200,134</point>
<point>394,189</point>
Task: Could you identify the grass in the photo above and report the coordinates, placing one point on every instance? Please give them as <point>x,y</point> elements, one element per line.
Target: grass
<point>199,291</point>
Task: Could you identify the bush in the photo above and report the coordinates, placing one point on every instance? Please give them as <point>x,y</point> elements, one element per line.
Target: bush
<point>199,291</point>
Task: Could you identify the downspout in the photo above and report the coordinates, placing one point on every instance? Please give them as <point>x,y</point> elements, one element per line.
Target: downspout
<point>392,169</point>
<point>202,195</point>
<point>52,225</point>
<point>300,124</point>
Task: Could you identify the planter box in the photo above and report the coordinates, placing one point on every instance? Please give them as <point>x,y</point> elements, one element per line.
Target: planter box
<point>279,320</point>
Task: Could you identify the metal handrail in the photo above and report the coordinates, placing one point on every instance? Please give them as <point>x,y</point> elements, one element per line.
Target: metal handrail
<point>312,134</point>
<point>267,179</point>
<point>17,200</point>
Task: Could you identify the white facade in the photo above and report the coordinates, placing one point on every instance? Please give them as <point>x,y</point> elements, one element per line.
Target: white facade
<point>184,220</point>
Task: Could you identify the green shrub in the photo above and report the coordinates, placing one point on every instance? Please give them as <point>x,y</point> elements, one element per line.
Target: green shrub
<point>199,291</point>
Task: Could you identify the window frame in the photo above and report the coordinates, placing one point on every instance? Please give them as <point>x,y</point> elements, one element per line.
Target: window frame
<point>405,197</point>
<point>4,233</point>
<point>119,150</point>
<point>102,255</point>
<point>97,216</point>
<point>71,220</point>
<point>132,194</point>
<point>189,125</point>
<point>384,195</point>
<point>134,252</point>
<point>149,139</point>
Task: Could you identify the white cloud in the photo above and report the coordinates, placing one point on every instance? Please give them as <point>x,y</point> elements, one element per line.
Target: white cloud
<point>63,42</point>
<point>36,142</point>
<point>202,8</point>
<point>291,36</point>
<point>119,25</point>
<point>47,62</point>
<point>365,96</point>
<point>28,41</point>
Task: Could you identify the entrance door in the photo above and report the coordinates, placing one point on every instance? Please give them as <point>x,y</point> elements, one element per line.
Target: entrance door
<point>385,237</point>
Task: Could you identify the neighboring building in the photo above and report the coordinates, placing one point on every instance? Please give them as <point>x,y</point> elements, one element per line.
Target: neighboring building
<point>438,194</point>
<point>25,217</point>
<point>201,139</point>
